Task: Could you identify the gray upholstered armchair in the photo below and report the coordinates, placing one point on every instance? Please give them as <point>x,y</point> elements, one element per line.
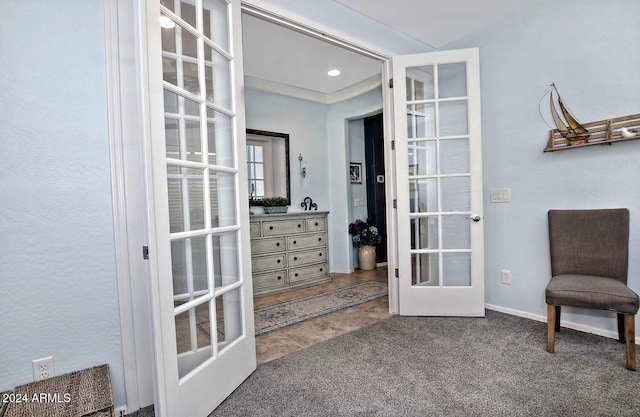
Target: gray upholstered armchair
<point>589,263</point>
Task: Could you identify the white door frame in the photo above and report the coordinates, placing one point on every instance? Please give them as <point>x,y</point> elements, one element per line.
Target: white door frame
<point>128,195</point>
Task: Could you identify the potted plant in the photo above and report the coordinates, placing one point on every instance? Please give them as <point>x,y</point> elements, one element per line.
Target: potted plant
<point>275,205</point>
<point>365,237</point>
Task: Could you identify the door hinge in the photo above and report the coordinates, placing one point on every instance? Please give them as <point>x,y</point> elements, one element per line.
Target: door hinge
<point>393,145</point>
<point>395,204</point>
<point>391,83</point>
<point>397,271</point>
<point>145,252</point>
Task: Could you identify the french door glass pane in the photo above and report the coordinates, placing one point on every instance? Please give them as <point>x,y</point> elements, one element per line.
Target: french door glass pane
<point>216,24</point>
<point>229,318</point>
<point>423,195</point>
<point>420,84</point>
<point>458,232</point>
<point>220,139</point>
<point>425,269</point>
<point>452,80</point>
<point>189,265</point>
<point>222,199</point>
<point>186,200</point>
<point>422,158</point>
<point>456,193</point>
<point>193,339</point>
<point>424,232</point>
<point>456,269</point>
<point>225,259</point>
<point>454,156</point>
<point>218,80</point>
<point>421,121</point>
<point>453,118</point>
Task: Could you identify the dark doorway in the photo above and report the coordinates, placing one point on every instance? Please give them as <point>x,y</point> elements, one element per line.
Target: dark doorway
<point>374,161</point>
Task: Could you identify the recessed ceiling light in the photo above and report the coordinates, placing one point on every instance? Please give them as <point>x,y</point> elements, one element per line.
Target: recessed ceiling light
<point>333,73</point>
<point>166,23</point>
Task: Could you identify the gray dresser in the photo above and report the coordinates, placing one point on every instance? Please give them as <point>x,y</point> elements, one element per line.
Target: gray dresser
<point>289,251</point>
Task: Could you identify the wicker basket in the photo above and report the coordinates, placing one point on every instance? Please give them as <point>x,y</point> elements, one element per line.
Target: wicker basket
<point>85,393</point>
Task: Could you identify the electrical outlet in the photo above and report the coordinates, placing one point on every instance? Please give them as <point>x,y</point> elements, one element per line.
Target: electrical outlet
<point>43,368</point>
<point>506,277</point>
<point>120,411</point>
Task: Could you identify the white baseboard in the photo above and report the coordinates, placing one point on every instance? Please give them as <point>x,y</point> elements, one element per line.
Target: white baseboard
<point>563,323</point>
<point>341,271</point>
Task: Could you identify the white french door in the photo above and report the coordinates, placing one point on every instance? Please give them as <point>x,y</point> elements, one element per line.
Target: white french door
<point>439,183</point>
<point>201,278</point>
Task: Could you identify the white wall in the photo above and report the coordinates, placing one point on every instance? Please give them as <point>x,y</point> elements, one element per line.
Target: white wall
<point>58,293</point>
<point>590,49</point>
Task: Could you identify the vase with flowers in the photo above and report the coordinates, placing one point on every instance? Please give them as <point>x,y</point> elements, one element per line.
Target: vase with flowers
<point>366,237</point>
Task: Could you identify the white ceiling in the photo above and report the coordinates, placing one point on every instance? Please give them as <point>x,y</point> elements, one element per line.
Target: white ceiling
<point>436,22</point>
<point>278,57</point>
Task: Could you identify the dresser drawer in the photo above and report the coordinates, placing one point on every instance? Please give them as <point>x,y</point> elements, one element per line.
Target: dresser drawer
<point>316,224</point>
<point>267,263</point>
<point>273,244</point>
<point>306,241</point>
<point>307,256</point>
<point>308,272</point>
<point>270,279</point>
<point>283,227</point>
<point>254,229</point>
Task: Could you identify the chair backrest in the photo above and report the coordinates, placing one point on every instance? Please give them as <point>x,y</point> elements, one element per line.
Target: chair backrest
<point>590,242</point>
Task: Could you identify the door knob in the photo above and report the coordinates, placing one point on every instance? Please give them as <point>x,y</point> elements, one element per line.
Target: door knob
<point>475,218</point>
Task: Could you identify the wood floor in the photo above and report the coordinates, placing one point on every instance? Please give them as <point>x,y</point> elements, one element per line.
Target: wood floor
<point>282,342</point>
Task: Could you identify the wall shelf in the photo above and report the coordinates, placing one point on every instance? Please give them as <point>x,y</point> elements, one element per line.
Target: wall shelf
<point>601,132</point>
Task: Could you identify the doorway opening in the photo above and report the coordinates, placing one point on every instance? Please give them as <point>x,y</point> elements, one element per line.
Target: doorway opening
<point>306,104</point>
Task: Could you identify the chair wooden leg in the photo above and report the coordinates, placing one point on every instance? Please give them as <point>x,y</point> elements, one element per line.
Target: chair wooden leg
<point>557,318</point>
<point>630,335</point>
<point>551,327</point>
<point>621,335</point>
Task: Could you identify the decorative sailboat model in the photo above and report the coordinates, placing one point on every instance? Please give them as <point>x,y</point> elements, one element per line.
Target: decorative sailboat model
<point>569,128</point>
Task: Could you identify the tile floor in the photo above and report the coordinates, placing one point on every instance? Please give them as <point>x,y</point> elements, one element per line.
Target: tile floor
<point>282,342</point>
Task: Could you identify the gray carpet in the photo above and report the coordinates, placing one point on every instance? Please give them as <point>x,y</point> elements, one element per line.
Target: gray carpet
<point>411,366</point>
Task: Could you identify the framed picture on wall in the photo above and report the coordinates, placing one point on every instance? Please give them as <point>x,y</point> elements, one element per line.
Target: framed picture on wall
<point>355,172</point>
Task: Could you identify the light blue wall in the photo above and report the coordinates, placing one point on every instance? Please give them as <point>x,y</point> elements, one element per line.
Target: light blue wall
<point>338,118</point>
<point>318,132</point>
<point>58,293</point>
<point>305,122</point>
<point>591,50</point>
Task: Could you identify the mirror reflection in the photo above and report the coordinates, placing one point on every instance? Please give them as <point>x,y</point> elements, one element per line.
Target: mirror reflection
<point>267,165</point>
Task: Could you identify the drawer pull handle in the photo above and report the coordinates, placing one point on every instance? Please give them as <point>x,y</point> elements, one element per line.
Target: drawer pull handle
<point>321,269</point>
<point>295,258</point>
<point>319,239</point>
<point>278,244</point>
<point>296,274</point>
<point>270,227</point>
<point>281,277</point>
<point>316,223</point>
<point>295,242</point>
<point>299,225</point>
<point>278,260</point>
<point>320,254</point>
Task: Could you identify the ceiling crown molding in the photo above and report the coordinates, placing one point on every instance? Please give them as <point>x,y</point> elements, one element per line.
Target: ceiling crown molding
<point>352,91</point>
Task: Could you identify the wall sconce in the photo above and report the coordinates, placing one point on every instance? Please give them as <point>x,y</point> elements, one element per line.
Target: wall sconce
<point>303,166</point>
